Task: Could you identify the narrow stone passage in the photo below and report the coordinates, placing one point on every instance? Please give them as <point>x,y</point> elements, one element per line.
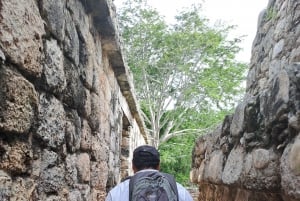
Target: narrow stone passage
<point>69,119</point>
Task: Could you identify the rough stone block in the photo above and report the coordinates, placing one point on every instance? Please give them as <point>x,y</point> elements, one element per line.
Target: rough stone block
<point>53,12</point>
<point>278,99</point>
<point>261,170</point>
<point>261,158</point>
<point>54,67</point>
<point>98,194</point>
<point>73,131</point>
<point>52,119</point>
<point>6,184</point>
<point>83,167</point>
<point>200,147</point>
<point>237,125</point>
<point>289,166</point>
<point>52,180</point>
<point>21,31</point>
<point>86,108</point>
<point>233,168</point>
<point>74,195</point>
<point>125,140</point>
<point>71,170</point>
<point>23,189</point>
<point>96,113</point>
<point>99,150</point>
<point>19,102</point>
<point>49,159</point>
<point>278,48</point>
<point>200,172</point>
<point>213,171</point>
<point>99,175</point>
<point>86,136</point>
<point>89,68</point>
<point>15,157</point>
<point>294,157</point>
<point>71,40</point>
<point>74,94</point>
<point>54,198</point>
<point>85,191</point>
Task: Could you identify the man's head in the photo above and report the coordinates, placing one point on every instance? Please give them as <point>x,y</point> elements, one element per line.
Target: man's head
<point>145,157</point>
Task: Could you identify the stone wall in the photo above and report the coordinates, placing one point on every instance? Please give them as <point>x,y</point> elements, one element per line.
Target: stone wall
<point>255,153</point>
<point>68,115</point>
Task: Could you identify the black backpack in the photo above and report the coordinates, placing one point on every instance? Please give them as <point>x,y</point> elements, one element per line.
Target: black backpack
<point>152,186</point>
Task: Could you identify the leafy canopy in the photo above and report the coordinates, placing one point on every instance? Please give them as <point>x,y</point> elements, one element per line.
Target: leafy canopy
<point>180,70</point>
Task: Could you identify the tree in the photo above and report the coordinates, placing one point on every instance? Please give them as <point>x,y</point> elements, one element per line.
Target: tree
<point>180,68</point>
<point>176,154</point>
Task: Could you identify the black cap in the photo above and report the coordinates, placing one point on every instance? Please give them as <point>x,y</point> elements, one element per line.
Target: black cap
<point>145,156</point>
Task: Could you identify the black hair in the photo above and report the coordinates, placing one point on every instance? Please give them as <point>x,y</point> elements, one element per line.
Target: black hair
<point>145,157</point>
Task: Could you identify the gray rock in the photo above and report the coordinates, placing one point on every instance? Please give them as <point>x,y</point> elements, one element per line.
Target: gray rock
<point>74,94</point>
<point>21,32</point>
<point>289,166</point>
<point>278,48</point>
<point>71,170</point>
<point>71,40</point>
<point>23,189</point>
<point>83,167</point>
<point>233,168</point>
<point>6,186</point>
<point>54,67</point>
<point>49,159</point>
<point>75,195</point>
<point>86,137</point>
<point>261,158</point>
<point>51,127</point>
<point>73,131</point>
<point>213,171</point>
<point>85,191</point>
<point>52,180</point>
<point>237,126</point>
<point>2,56</point>
<point>54,12</point>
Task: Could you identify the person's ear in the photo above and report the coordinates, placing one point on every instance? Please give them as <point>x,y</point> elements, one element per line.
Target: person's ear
<point>134,168</point>
<point>158,167</point>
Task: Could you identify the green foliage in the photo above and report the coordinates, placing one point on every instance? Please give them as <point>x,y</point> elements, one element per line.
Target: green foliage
<point>176,157</point>
<point>181,67</point>
<point>176,154</point>
<point>271,14</point>
<point>185,74</point>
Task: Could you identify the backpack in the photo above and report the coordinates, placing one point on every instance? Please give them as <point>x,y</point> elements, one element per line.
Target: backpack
<point>152,186</point>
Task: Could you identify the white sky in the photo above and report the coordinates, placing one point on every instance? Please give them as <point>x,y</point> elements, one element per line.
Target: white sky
<point>243,13</point>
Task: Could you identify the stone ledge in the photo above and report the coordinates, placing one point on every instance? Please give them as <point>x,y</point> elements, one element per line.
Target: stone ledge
<point>104,17</point>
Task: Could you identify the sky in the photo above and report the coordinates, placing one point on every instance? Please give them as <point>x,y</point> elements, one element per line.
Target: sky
<point>242,13</point>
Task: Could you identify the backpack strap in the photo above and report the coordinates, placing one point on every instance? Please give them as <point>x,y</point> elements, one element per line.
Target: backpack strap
<point>133,179</point>
<point>172,182</point>
<point>126,178</point>
<point>138,175</point>
<point>130,188</point>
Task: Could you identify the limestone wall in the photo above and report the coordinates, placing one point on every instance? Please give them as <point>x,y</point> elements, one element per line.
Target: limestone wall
<point>255,153</point>
<point>68,115</point>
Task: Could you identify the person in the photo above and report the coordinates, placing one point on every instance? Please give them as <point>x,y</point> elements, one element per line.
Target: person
<point>146,159</point>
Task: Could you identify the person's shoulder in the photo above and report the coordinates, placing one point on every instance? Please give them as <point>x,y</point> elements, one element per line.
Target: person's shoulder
<point>181,189</point>
<point>119,192</point>
<point>121,187</point>
<point>183,193</point>
<point>179,186</point>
